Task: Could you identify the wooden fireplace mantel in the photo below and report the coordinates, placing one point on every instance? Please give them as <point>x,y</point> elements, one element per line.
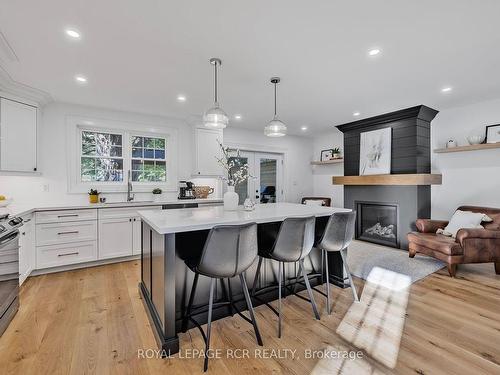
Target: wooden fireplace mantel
<point>389,179</point>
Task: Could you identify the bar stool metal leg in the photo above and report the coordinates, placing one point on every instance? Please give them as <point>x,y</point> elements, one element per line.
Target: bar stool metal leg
<point>190,303</point>
<point>256,278</point>
<point>230,296</point>
<point>250,308</point>
<point>279,300</point>
<point>209,322</point>
<point>343,254</point>
<point>325,254</point>
<point>309,290</point>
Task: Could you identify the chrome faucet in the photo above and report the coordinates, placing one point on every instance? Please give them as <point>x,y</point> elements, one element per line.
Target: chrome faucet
<point>130,196</point>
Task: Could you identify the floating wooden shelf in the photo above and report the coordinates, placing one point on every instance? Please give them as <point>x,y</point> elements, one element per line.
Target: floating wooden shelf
<point>389,179</point>
<point>333,161</point>
<point>483,146</point>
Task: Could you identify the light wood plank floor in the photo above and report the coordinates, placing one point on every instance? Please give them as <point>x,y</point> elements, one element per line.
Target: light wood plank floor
<point>92,321</point>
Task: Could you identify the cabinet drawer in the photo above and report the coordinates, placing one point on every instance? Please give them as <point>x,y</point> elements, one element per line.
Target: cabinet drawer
<point>126,212</point>
<point>60,255</point>
<point>60,233</point>
<point>65,216</point>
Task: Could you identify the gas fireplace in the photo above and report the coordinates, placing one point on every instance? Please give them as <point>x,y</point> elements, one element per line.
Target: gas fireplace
<point>378,223</point>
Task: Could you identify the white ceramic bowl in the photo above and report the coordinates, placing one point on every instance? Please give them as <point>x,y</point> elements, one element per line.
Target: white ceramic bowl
<point>475,139</point>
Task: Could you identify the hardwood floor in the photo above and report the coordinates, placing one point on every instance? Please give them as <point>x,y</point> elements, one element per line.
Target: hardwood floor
<point>91,321</point>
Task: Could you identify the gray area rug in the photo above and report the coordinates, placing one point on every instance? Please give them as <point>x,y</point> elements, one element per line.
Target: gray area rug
<point>362,257</point>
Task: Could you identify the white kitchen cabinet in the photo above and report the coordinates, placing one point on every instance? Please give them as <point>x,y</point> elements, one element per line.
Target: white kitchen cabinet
<point>26,248</point>
<point>115,237</point>
<point>207,151</point>
<point>18,136</point>
<point>120,231</point>
<point>136,236</point>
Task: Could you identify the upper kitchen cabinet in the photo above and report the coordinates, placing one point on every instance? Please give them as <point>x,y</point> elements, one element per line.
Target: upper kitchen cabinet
<point>207,152</point>
<point>18,136</point>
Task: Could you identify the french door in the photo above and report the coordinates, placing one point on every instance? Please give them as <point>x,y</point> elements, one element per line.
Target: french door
<point>267,184</point>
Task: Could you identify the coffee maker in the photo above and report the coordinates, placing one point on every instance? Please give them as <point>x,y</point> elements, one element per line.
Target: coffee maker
<point>186,190</point>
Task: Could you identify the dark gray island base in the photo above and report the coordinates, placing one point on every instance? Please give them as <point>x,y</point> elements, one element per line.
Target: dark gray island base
<point>166,281</point>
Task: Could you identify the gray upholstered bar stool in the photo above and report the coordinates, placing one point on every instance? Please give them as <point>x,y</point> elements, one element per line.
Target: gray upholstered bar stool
<point>293,243</point>
<point>229,250</point>
<point>338,236</point>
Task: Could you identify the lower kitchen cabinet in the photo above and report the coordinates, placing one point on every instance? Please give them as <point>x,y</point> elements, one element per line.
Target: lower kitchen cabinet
<point>26,248</point>
<point>64,254</point>
<point>115,237</point>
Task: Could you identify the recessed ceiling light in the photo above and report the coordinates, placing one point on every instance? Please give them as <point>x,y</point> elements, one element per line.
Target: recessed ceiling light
<point>72,33</point>
<point>80,79</point>
<point>374,52</point>
<point>356,114</point>
<point>237,117</point>
<point>181,98</point>
<point>446,89</point>
<point>303,128</point>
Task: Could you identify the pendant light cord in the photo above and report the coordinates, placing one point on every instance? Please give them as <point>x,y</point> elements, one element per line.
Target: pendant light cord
<point>215,85</point>
<point>275,100</point>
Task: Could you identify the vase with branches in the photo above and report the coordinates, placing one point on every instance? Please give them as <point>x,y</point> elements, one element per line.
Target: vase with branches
<point>235,172</point>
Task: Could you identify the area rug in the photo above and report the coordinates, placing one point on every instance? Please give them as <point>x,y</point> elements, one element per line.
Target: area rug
<point>362,257</point>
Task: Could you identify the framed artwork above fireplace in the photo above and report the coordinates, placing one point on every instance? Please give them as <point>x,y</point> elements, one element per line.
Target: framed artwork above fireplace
<point>375,152</point>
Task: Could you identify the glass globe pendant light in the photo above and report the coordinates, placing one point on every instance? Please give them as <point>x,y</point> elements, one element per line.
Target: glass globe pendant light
<point>276,127</point>
<point>215,117</point>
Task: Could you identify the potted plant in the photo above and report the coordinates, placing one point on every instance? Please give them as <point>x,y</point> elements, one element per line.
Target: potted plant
<point>236,172</point>
<point>336,153</point>
<point>93,196</point>
<point>157,194</point>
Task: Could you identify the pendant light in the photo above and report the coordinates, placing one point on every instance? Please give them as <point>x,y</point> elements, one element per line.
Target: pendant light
<point>215,117</point>
<point>276,127</point>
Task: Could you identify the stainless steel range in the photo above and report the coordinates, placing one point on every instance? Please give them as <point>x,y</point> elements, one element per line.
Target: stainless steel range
<point>9,269</point>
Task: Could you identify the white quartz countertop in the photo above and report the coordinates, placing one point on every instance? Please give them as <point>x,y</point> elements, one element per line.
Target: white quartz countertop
<point>191,219</point>
<point>20,209</point>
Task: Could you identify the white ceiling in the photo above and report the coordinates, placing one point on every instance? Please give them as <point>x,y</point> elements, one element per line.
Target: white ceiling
<point>139,55</point>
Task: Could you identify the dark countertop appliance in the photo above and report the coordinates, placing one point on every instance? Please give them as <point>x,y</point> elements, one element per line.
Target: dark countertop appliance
<point>9,269</point>
<point>186,190</point>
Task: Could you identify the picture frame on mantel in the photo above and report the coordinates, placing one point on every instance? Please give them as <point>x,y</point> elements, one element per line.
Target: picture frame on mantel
<point>493,133</point>
<point>375,152</point>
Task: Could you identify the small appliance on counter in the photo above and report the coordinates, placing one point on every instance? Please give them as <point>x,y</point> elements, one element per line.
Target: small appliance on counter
<point>9,268</point>
<point>186,190</point>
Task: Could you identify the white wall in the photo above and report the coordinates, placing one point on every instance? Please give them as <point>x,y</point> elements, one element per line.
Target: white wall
<point>29,190</point>
<point>468,177</point>
<point>297,152</point>
<point>322,174</point>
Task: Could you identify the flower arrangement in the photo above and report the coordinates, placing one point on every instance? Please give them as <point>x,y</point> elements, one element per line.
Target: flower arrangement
<point>235,168</point>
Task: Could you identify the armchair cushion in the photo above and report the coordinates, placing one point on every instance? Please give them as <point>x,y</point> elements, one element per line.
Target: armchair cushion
<point>430,226</point>
<point>437,242</point>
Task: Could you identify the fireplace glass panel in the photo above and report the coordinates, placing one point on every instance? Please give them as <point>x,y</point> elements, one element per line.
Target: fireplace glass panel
<point>377,223</point>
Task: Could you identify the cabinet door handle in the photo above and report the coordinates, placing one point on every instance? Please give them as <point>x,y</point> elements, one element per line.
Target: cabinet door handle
<point>65,255</point>
<point>71,232</point>
<point>71,215</point>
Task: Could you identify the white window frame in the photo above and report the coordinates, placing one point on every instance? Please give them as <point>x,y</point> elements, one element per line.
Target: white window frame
<point>148,135</point>
<point>75,126</point>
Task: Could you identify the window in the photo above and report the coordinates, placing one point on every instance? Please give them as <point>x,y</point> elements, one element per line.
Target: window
<point>148,159</point>
<point>101,157</point>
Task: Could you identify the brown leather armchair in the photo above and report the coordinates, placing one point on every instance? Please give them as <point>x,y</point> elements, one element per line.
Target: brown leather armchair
<point>469,246</point>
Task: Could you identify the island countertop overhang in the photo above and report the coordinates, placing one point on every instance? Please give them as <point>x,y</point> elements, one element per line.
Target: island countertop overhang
<point>203,218</point>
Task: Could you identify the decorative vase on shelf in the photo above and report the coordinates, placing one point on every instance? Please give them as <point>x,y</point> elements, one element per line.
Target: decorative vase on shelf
<point>230,199</point>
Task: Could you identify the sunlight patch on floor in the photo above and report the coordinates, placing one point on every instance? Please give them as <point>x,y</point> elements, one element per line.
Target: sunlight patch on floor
<point>376,323</point>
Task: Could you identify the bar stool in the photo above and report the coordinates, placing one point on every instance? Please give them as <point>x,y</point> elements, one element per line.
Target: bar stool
<point>229,250</point>
<point>338,236</point>
<point>293,243</point>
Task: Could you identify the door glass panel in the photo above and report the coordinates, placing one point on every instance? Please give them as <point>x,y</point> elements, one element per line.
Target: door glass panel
<point>268,180</point>
<point>242,188</point>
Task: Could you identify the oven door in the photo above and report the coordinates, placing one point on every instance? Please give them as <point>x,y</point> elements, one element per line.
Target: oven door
<point>9,271</point>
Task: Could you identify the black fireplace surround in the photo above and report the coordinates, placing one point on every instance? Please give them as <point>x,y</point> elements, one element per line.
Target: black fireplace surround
<point>410,153</point>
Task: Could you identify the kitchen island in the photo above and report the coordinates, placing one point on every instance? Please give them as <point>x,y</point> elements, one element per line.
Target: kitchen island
<point>171,236</point>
